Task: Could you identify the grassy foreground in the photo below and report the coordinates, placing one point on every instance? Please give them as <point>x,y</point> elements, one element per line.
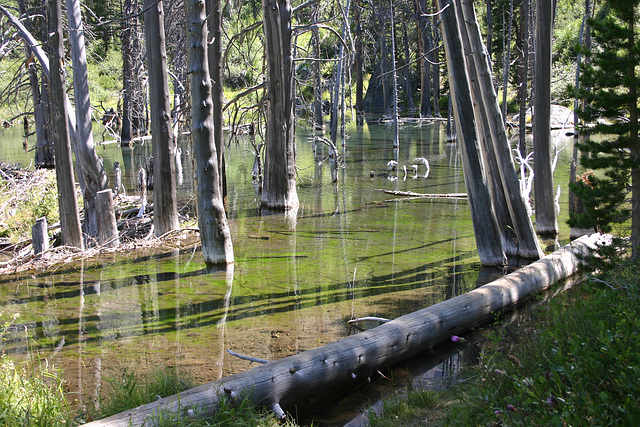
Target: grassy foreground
<point>573,361</point>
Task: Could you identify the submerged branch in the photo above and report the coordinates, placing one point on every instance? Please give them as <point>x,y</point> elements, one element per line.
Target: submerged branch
<point>425,195</point>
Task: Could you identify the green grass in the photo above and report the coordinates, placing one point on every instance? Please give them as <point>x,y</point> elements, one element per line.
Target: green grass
<point>128,389</point>
<point>31,397</point>
<point>573,361</point>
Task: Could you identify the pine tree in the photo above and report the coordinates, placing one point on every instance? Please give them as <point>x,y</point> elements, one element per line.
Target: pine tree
<point>611,193</point>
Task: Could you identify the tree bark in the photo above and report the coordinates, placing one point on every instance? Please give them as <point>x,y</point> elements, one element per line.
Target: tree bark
<point>67,198</point>
<point>214,23</point>
<point>499,149</point>
<point>125,37</point>
<point>359,60</point>
<point>425,45</point>
<point>279,175</point>
<point>546,221</point>
<point>108,235</point>
<point>507,61</point>
<point>44,157</point>
<point>40,236</point>
<point>350,361</point>
<point>217,247</point>
<point>165,205</point>
<point>93,175</point>
<point>523,76</point>
<point>485,227</point>
<point>318,117</point>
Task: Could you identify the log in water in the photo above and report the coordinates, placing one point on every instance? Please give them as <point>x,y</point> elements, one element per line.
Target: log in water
<point>296,378</point>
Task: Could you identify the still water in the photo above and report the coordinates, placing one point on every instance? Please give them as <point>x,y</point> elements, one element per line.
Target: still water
<point>352,251</point>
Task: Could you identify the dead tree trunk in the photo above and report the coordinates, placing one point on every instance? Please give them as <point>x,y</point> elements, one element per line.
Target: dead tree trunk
<point>108,235</point>
<point>523,75</point>
<point>352,360</point>
<point>280,190</point>
<point>217,247</point>
<point>546,220</point>
<point>482,213</point>
<point>40,236</point>
<point>44,157</point>
<point>359,60</point>
<point>214,23</point>
<point>165,205</point>
<point>67,199</point>
<point>424,30</point>
<point>526,240</point>
<point>94,178</point>
<point>318,118</point>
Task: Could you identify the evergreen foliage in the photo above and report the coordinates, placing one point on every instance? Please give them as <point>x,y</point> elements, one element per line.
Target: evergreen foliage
<point>609,88</point>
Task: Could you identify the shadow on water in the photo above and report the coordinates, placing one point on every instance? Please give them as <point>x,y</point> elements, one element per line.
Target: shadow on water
<point>350,251</point>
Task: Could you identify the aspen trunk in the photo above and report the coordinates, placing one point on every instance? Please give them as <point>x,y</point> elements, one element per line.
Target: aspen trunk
<point>352,360</point>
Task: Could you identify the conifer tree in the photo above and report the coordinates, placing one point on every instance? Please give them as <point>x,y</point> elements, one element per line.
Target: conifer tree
<point>611,193</point>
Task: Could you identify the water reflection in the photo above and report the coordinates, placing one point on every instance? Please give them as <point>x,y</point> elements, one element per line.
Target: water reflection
<point>349,251</point>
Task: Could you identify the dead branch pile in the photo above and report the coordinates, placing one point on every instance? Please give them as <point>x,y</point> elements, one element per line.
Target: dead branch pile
<point>135,227</point>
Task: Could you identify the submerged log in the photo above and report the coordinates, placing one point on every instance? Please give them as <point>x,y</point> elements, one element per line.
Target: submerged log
<point>285,382</point>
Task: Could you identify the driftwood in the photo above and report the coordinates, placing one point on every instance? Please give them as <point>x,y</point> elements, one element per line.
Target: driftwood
<point>425,195</point>
<point>353,359</point>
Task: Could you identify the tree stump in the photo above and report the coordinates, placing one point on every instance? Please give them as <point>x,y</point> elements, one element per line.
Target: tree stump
<point>40,236</point>
<point>107,225</point>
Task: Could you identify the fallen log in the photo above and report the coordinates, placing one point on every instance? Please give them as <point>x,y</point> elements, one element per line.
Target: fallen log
<point>293,379</point>
<point>426,195</point>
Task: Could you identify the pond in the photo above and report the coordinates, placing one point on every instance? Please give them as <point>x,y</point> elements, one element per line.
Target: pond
<point>351,251</point>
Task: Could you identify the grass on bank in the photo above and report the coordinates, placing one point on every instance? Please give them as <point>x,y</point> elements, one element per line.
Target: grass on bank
<point>573,361</point>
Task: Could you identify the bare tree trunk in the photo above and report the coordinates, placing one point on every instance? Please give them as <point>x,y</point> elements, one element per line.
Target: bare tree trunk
<point>485,227</point>
<point>214,22</point>
<point>408,84</point>
<point>318,116</point>
<point>384,66</point>
<point>523,75</point>
<point>507,61</point>
<point>490,30</point>
<point>67,199</point>
<point>546,221</point>
<point>503,167</point>
<point>359,61</point>
<point>280,175</point>
<point>94,178</point>
<point>165,205</point>
<point>215,235</point>
<point>424,42</point>
<point>338,81</point>
<point>44,151</point>
<point>435,72</point>
<point>394,77</point>
<point>126,37</point>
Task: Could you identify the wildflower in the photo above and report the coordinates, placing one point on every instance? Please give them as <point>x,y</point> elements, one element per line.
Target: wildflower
<point>497,412</point>
<point>511,408</point>
<point>551,401</point>
<point>457,339</point>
